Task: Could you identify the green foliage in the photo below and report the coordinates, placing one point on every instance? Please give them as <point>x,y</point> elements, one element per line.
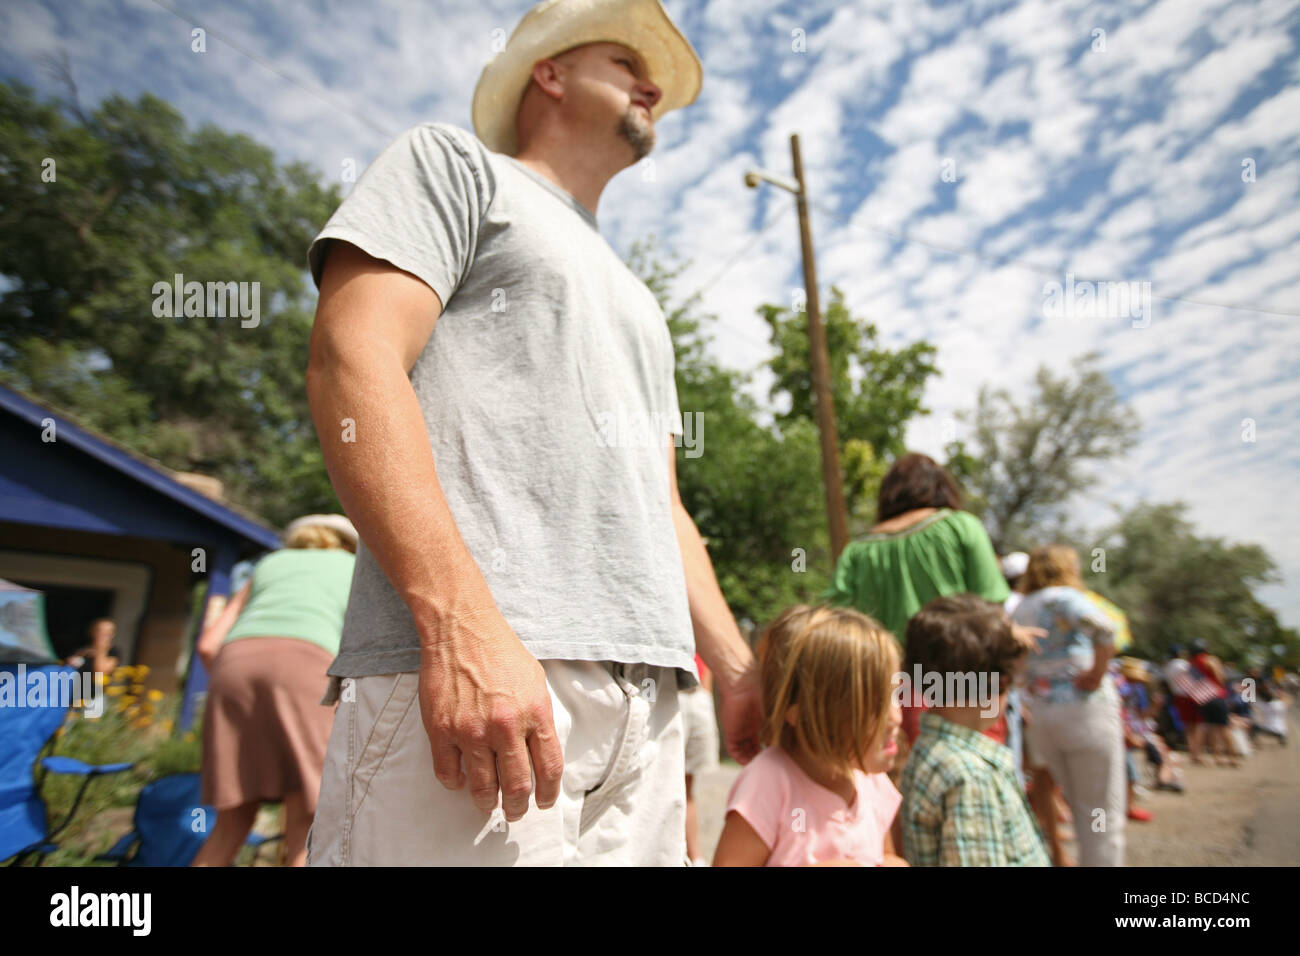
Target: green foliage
<point>136,198</point>
<point>1024,462</point>
<point>755,491</point>
<point>1178,587</point>
<point>176,754</point>
<point>876,392</point>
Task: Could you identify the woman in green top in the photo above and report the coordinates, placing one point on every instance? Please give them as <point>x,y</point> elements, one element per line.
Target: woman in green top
<point>264,729</point>
<point>923,546</point>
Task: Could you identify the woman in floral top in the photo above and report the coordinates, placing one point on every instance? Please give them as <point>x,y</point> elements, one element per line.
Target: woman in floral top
<point>1076,729</point>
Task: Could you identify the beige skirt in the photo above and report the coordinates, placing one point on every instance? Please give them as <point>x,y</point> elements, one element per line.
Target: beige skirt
<point>264,728</point>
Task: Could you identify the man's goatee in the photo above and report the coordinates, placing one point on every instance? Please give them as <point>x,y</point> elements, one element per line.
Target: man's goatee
<point>640,135</point>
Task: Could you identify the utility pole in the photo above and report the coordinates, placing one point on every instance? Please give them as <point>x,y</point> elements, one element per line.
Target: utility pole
<point>819,357</point>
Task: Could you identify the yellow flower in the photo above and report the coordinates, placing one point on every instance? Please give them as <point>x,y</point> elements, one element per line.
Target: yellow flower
<point>142,670</point>
<point>128,700</point>
<point>114,691</point>
<point>156,695</point>
<point>137,689</point>
<point>189,737</point>
<point>166,726</point>
<point>141,723</point>
<point>131,712</point>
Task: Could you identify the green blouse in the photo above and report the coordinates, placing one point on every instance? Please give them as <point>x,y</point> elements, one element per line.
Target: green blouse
<point>892,576</point>
<point>298,592</point>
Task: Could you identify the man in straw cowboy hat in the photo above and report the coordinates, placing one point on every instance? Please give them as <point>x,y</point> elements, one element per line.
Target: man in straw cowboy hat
<point>528,580</point>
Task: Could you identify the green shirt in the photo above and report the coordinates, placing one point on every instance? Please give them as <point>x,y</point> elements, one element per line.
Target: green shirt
<point>962,804</point>
<point>892,576</point>
<point>298,592</point>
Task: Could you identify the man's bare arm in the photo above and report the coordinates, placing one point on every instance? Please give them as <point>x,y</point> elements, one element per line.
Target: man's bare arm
<point>372,322</point>
<point>717,637</point>
<point>483,696</point>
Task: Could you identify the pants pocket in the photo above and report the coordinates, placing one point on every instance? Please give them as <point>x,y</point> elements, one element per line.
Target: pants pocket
<point>390,701</point>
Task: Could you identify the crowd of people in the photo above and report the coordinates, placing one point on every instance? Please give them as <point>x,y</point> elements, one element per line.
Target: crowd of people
<point>1050,739</point>
<point>515,681</point>
<point>941,707</point>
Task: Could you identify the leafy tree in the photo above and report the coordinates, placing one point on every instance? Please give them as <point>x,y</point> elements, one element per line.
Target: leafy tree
<point>876,392</point>
<point>1177,587</point>
<point>755,491</point>
<point>1026,461</point>
<point>95,210</point>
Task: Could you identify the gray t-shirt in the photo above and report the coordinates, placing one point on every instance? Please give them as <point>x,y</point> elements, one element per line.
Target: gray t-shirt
<point>548,395</point>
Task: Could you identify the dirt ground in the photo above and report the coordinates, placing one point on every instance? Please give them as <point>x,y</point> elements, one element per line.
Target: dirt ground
<point>1244,817</point>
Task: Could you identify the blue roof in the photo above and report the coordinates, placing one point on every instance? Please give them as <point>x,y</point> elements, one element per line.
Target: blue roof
<point>87,482</point>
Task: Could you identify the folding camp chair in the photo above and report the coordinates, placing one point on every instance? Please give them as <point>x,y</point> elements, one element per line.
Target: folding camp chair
<point>27,731</point>
<point>171,824</point>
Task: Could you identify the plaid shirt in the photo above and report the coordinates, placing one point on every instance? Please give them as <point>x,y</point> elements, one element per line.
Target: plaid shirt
<point>962,805</point>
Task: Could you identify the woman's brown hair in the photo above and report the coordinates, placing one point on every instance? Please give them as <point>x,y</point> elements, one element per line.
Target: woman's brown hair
<point>916,481</point>
<point>837,665</point>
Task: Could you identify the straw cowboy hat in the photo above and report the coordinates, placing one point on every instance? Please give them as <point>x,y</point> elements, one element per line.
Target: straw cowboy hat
<point>1135,669</point>
<point>337,523</point>
<point>552,27</point>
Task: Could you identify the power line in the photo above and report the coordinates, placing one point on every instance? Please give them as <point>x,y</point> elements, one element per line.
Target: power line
<point>741,253</point>
<point>727,266</point>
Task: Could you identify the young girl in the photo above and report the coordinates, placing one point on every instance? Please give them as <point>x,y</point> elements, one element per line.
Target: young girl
<point>818,793</point>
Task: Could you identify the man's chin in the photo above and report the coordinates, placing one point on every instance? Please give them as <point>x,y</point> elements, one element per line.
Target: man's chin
<point>638,132</point>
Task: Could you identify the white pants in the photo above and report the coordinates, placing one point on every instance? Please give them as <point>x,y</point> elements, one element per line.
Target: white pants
<point>622,796</point>
<point>700,725</point>
<point>1082,744</point>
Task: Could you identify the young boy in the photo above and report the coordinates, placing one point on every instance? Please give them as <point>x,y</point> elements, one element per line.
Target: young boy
<point>962,804</point>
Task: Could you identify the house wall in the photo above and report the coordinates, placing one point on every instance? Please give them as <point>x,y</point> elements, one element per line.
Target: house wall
<point>151,581</point>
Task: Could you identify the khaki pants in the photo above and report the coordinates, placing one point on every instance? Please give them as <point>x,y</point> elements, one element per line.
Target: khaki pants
<point>622,799</point>
<point>1082,744</point>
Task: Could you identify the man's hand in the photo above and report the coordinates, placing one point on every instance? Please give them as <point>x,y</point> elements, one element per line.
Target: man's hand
<point>740,712</point>
<point>483,698</point>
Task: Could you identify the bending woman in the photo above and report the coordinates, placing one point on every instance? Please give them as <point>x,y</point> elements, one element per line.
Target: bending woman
<point>264,729</point>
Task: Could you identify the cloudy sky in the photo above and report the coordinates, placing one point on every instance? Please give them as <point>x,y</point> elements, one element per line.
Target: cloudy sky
<point>960,156</point>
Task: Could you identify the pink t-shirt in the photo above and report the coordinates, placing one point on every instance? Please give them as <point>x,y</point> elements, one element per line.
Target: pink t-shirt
<point>802,822</point>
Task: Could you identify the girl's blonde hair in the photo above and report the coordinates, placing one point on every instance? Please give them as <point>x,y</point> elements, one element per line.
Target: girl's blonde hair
<point>837,665</point>
<point>1052,565</point>
<point>318,536</point>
